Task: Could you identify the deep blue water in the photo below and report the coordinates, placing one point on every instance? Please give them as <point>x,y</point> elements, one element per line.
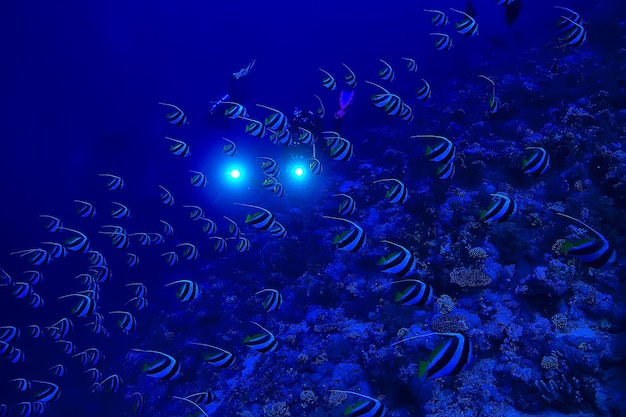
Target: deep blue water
<point>81,85</point>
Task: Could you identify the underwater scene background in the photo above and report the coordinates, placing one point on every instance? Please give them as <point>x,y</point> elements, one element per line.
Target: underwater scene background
<point>413,208</point>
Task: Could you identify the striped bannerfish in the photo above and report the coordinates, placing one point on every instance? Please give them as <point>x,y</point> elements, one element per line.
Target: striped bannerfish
<point>493,100</point>
<point>58,370</point>
<point>171,258</point>
<point>236,111</point>
<point>439,19</point>
<point>468,26</point>
<point>22,384</point>
<point>198,180</point>
<point>411,65</point>
<point>168,230</point>
<point>34,277</point>
<point>279,190</point>
<point>446,171</point>
<point>269,183</point>
<point>351,240</point>
<point>350,77</point>
<point>221,359</point>
<point>243,245</point>
<point>263,342</point>
<point>50,393</point>
<point>593,252</point>
<point>140,289</point>
<point>121,212</point>
<point>500,210</point>
<point>342,150</point>
<point>444,42</point>
<point>210,227</point>
<point>36,256</point>
<point>119,238</point>
<point>230,149</point>
<point>262,219</point>
<point>196,213</point>
<point>424,92</point>
<point>277,121</point>
<point>139,303</point>
<point>16,355</point>
<point>114,382</point>
<point>60,329</point>
<point>391,103</point>
<point>166,197</point>
<point>245,70</point>
<point>328,81</point>
<point>139,404</point>
<point>35,300</point>
<point>22,290</point>
<point>269,166</point>
<point>537,163</point>
<point>96,258</point>
<point>127,323</point>
<point>190,252</point>
<point>315,166</point>
<point>577,35</point>
<point>179,148</point>
<point>192,403</point>
<point>166,368</point>
<point>400,263</point>
<point>281,137</point>
<point>57,251</point>
<point>34,331</point>
<point>5,278</point>
<point>368,407</point>
<point>387,73</point>
<point>273,301</point>
<point>9,334</point>
<point>176,117</point>
<point>53,224</point>
<point>94,374</point>
<point>278,230</point>
<point>417,294</point>
<point>443,152</point>
<point>187,291</point>
<point>220,244</point>
<point>254,128</point>
<point>449,358</point>
<point>306,137</point>
<point>86,305</point>
<point>233,228</point>
<point>114,182</point>
<point>406,113</point>
<point>321,111</point>
<point>397,193</point>
<point>347,206</point>
<point>202,398</point>
<point>569,22</point>
<point>84,209</point>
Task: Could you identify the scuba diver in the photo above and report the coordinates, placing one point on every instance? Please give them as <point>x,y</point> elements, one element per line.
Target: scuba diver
<point>236,88</point>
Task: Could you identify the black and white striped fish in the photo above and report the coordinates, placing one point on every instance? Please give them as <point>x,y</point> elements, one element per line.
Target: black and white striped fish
<point>352,239</point>
<point>177,116</point>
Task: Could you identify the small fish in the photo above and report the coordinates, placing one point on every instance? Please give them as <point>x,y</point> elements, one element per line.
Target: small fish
<point>57,251</point>
<point>5,278</point>
<point>171,258</point>
<point>210,227</point>
<point>119,237</point>
<point>131,260</point>
<point>22,290</point>
<point>139,404</point>
<point>328,81</point>
<point>269,166</point>
<point>60,329</point>
<point>114,182</point>
<point>467,27</point>
<point>36,256</point>
<point>202,398</point>
<point>96,258</point>
<point>537,163</point>
<point>155,239</point>
<point>128,323</point>
<point>439,19</point>
<point>570,21</point>
<point>446,171</point>
<point>233,228</point>
<point>391,103</point>
<point>179,148</point>
<point>236,111</point>
<point>417,294</point>
<point>221,359</point>
<point>230,149</point>
<point>16,356</point>
<point>50,393</point>
<point>166,197</point>
<point>387,73</point>
<point>281,137</point>
<point>9,334</point>
<point>350,77</point>
<point>321,111</point>
<point>121,212</point>
<point>397,193</point>
<point>34,331</point>
<point>198,180</point>
<point>444,42</point>
<point>140,289</point>
<point>369,407</point>
<point>400,263</point>
<point>85,307</point>
<point>84,209</point>
<point>94,374</point>
<point>35,300</point>
<point>166,368</point>
<point>78,243</point>
<point>263,342</point>
<point>411,65</point>
<point>101,274</point>
<point>424,92</point>
<point>443,152</point>
<point>254,128</point>
<point>53,224</point>
<point>594,252</point>
<point>139,303</point>
<point>113,382</point>
<point>262,219</point>
<point>187,290</point>
<point>343,150</point>
<point>243,244</point>
<point>190,251</point>
<point>273,301</point>
<point>245,70</point>
<point>22,384</point>
<point>493,100</point>
<point>306,137</point>
<point>347,206</point>
<point>577,35</point>
<point>176,117</point>
<point>315,166</point>
<point>278,230</point>
<point>277,121</point>
<point>58,370</point>
<point>500,210</point>
<point>351,240</point>
<point>168,230</point>
<point>449,358</point>
<point>196,214</point>
<point>220,244</point>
